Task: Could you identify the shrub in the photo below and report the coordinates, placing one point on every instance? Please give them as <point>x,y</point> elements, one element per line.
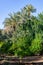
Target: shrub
<point>36,45</point>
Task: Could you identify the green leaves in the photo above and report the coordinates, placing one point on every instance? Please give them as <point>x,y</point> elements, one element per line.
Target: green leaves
<point>23,33</point>
<point>36,45</point>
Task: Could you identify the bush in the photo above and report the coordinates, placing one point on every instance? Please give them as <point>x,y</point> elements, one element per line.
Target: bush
<point>36,45</point>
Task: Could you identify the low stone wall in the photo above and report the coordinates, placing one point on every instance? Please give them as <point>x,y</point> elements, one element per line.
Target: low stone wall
<point>11,60</point>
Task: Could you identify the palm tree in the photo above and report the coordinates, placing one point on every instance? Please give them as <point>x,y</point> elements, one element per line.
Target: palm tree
<point>16,19</point>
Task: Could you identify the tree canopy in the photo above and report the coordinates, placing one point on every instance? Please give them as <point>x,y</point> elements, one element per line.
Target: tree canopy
<point>23,33</point>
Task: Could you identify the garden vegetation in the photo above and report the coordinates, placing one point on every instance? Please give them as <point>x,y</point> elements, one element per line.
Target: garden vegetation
<point>23,33</point>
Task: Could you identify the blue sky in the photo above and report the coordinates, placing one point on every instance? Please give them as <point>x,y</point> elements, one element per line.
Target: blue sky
<point>9,6</point>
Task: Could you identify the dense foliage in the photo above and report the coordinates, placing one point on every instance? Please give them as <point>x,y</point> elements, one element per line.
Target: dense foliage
<point>23,33</point>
